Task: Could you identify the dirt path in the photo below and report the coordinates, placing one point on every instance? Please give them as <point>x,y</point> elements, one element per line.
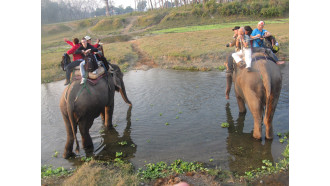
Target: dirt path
<point>144,61</point>
<point>132,20</point>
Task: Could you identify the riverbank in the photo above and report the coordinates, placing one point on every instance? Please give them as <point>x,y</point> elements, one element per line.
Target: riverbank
<point>199,48</point>
<point>118,172</point>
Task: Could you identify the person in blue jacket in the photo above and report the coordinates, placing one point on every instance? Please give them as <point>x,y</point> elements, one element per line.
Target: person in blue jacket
<point>258,36</point>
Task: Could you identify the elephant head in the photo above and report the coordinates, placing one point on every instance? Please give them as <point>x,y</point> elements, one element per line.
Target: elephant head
<point>260,90</point>
<point>81,104</point>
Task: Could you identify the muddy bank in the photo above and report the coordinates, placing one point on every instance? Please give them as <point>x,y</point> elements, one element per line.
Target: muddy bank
<point>101,173</point>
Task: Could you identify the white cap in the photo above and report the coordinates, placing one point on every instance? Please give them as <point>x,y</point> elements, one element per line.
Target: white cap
<point>87,38</point>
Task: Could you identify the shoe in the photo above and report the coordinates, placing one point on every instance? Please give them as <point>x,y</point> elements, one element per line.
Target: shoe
<point>83,80</point>
<point>66,82</point>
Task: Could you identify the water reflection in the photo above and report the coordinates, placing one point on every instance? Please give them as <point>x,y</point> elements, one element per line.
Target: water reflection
<point>111,140</point>
<point>246,153</point>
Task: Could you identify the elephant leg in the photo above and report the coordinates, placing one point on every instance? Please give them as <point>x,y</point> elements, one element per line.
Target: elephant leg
<point>269,114</point>
<point>69,139</point>
<point>256,109</point>
<point>84,126</point>
<point>108,115</point>
<point>102,116</point>
<point>241,104</point>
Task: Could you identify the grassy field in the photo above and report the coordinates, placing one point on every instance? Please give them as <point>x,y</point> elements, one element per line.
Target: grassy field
<point>197,44</point>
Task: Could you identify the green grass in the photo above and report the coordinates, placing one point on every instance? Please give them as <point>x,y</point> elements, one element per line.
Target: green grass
<point>214,26</point>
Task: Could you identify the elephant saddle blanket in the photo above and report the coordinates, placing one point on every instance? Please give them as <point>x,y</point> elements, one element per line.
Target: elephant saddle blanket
<point>99,72</point>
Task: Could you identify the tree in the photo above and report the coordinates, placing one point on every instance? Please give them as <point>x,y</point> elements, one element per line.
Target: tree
<point>141,5</point>
<point>106,8</point>
<point>151,5</point>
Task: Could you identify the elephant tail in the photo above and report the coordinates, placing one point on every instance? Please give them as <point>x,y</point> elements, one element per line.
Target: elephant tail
<point>73,124</point>
<point>272,86</point>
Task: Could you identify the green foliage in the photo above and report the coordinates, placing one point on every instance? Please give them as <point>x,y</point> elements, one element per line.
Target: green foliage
<point>49,171</point>
<point>222,68</point>
<point>55,154</point>
<point>86,159</point>
<point>122,143</point>
<point>224,125</point>
<point>269,168</point>
<point>161,169</point>
<point>118,154</point>
<point>167,123</point>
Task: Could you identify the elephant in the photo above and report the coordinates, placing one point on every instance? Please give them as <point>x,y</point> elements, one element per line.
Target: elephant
<point>259,89</point>
<point>245,152</point>
<point>81,104</point>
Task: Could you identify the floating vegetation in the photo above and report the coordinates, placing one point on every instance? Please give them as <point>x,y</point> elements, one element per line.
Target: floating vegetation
<point>55,154</point>
<point>167,123</point>
<point>224,125</point>
<point>122,143</point>
<point>160,114</point>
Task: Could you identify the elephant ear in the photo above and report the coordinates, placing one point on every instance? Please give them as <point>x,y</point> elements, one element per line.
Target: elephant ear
<point>117,76</point>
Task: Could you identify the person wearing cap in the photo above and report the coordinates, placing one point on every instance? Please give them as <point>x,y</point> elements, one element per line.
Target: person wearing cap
<point>84,49</point>
<point>77,58</point>
<point>258,35</point>
<point>229,63</point>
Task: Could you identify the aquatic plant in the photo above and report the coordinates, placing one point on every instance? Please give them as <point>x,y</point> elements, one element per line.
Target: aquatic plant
<point>47,170</point>
<point>55,154</point>
<point>167,123</point>
<point>160,114</point>
<point>122,143</point>
<point>86,159</point>
<point>224,125</point>
<point>222,68</point>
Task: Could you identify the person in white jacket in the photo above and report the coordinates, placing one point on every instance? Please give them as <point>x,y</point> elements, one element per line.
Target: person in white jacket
<point>244,40</point>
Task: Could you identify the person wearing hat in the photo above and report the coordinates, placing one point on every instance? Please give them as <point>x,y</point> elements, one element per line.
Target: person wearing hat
<point>229,63</point>
<point>258,35</point>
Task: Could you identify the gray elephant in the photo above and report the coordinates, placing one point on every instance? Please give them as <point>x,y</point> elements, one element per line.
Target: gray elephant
<point>81,104</point>
<point>259,89</point>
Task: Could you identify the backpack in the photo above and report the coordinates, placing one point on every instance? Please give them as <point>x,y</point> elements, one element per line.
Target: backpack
<point>90,63</point>
<point>268,44</point>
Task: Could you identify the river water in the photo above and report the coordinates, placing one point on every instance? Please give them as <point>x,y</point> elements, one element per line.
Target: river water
<point>175,115</point>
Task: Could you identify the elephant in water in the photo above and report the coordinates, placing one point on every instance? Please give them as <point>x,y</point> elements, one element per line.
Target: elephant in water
<point>259,89</point>
<point>81,104</point>
<point>245,152</point>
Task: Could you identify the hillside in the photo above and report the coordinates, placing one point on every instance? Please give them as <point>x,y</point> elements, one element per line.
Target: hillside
<point>191,37</point>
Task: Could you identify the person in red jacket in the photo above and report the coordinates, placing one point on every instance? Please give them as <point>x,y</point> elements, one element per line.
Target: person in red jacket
<point>75,45</point>
<point>77,58</point>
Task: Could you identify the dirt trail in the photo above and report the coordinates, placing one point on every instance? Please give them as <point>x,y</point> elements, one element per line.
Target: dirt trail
<point>144,61</point>
<point>132,20</point>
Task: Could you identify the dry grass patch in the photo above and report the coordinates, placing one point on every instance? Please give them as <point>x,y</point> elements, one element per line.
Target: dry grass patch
<point>94,173</point>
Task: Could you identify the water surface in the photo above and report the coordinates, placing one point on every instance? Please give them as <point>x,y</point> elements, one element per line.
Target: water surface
<point>194,106</point>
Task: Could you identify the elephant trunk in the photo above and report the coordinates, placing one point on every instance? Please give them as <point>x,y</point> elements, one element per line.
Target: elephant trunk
<point>73,124</point>
<point>229,77</point>
<point>122,91</point>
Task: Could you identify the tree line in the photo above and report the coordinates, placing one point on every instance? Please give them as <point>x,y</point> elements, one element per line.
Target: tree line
<point>52,12</point>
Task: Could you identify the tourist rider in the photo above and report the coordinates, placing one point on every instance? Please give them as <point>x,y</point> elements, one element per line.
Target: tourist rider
<point>84,50</point>
<point>243,40</point>
<point>229,63</point>
<point>258,35</point>
<point>77,58</point>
